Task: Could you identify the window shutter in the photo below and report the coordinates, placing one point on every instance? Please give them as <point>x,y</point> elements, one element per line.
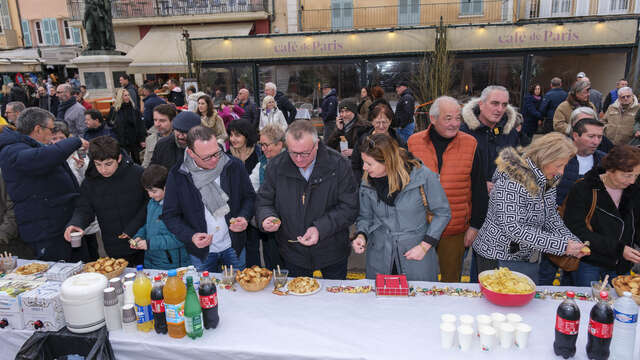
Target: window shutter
<point>76,36</point>
<point>46,31</point>
<point>26,34</point>
<point>55,34</point>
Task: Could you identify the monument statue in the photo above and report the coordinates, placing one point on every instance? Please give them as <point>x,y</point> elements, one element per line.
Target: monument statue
<point>98,26</point>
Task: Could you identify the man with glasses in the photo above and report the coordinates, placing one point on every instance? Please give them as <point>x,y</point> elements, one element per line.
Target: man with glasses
<point>208,202</point>
<point>14,109</point>
<point>309,200</point>
<point>40,182</point>
<point>70,110</point>
<point>170,149</point>
<point>620,117</point>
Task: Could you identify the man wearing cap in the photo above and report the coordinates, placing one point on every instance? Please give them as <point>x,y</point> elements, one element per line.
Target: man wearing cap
<point>348,125</point>
<point>404,111</point>
<point>171,148</point>
<point>328,110</point>
<point>595,96</point>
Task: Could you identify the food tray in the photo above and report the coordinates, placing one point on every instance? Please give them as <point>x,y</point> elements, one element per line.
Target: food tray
<point>109,275</point>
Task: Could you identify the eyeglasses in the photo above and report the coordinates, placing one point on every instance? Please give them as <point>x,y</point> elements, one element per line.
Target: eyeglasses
<point>303,155</point>
<point>621,97</point>
<point>264,145</point>
<point>216,155</point>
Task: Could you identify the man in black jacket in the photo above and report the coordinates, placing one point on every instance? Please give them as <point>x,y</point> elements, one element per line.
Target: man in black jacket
<point>328,110</point>
<point>550,102</point>
<point>403,121</point>
<point>176,96</point>
<point>112,192</point>
<point>287,108</point>
<point>170,149</point>
<point>309,200</point>
<point>251,111</point>
<point>150,100</point>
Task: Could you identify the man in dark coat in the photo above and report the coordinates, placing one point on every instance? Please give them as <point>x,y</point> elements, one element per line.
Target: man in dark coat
<point>251,111</point>
<point>112,192</point>
<point>170,149</point>
<point>17,93</point>
<point>126,84</point>
<point>40,182</point>
<point>309,200</point>
<point>208,202</point>
<point>176,96</point>
<point>348,125</point>
<point>96,126</point>
<point>151,100</point>
<point>328,110</point>
<point>403,121</point>
<point>284,104</point>
<point>550,102</point>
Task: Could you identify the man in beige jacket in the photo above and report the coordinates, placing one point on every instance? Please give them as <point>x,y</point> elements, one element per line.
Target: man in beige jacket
<point>578,96</point>
<point>620,117</point>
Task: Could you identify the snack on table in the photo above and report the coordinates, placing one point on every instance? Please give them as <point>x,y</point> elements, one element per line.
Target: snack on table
<point>254,278</point>
<point>32,268</point>
<point>630,283</point>
<point>106,265</point>
<point>506,282</point>
<point>303,285</point>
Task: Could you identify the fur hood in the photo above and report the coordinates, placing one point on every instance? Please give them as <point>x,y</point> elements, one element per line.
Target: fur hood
<point>617,104</point>
<point>508,121</point>
<point>514,167</point>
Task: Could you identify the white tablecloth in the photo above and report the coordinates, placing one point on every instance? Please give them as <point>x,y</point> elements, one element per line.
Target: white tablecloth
<point>335,326</point>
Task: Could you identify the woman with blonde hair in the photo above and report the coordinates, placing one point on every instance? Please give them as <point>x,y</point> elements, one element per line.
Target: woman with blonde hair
<point>127,123</point>
<point>522,220</point>
<point>270,114</point>
<point>210,118</point>
<point>392,226</point>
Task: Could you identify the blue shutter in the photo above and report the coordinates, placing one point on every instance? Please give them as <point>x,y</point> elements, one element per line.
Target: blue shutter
<point>46,31</point>
<point>76,36</point>
<point>26,34</point>
<point>347,14</point>
<point>55,34</point>
<point>336,14</point>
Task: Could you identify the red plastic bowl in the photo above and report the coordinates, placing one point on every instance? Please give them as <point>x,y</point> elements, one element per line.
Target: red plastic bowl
<point>507,299</point>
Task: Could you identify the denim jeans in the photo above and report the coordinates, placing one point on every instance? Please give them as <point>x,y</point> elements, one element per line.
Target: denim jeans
<point>225,257</point>
<point>406,131</point>
<point>587,273</point>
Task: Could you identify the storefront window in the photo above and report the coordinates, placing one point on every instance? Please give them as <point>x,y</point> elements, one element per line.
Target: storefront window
<point>387,73</point>
<point>471,75</point>
<point>228,78</point>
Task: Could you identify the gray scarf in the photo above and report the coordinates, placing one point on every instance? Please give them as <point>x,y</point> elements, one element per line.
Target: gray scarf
<point>213,197</point>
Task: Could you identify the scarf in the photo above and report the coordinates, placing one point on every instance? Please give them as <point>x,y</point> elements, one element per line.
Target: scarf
<point>64,106</point>
<point>381,185</point>
<point>349,125</point>
<point>213,197</point>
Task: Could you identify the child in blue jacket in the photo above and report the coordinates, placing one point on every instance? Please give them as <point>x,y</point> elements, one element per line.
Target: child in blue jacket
<point>163,250</point>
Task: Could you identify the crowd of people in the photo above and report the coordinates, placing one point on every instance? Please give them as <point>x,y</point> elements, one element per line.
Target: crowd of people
<point>198,179</point>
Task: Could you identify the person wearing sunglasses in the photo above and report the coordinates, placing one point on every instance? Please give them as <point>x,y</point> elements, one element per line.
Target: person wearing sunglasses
<point>392,225</point>
<point>309,200</point>
<point>208,202</point>
<point>620,117</point>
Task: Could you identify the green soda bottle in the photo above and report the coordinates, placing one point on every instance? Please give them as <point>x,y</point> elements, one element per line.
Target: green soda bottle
<point>193,322</point>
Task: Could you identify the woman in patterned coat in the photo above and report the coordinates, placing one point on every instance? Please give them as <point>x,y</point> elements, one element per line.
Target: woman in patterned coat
<point>522,219</point>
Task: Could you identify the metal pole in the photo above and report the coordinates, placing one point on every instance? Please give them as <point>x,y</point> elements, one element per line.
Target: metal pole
<point>185,35</point>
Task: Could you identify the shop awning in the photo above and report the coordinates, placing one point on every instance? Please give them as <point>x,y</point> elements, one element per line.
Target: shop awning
<point>163,49</point>
<point>20,60</point>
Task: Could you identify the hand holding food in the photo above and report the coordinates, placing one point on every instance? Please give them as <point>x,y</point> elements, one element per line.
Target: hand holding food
<point>271,224</point>
<point>310,237</point>
<point>574,248</point>
<point>141,244</point>
<point>202,240</point>
<point>238,224</point>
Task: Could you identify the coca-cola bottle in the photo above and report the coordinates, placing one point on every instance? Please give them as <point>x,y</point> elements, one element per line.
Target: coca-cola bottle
<point>567,325</point>
<point>600,329</point>
<point>208,295</point>
<point>157,306</point>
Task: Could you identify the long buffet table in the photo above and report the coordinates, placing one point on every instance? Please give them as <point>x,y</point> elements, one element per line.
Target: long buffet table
<point>328,325</point>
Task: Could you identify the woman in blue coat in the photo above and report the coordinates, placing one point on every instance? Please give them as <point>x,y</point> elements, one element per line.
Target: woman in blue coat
<point>162,250</point>
<point>531,110</point>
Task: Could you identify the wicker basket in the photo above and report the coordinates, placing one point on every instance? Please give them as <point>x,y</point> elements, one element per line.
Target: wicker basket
<point>109,275</point>
<point>620,291</point>
<point>264,281</point>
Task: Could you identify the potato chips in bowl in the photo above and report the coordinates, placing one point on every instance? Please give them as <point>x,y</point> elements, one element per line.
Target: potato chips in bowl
<point>506,288</point>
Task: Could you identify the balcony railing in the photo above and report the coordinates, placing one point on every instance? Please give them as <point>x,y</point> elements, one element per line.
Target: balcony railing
<point>452,12</point>
<point>538,9</point>
<point>123,9</point>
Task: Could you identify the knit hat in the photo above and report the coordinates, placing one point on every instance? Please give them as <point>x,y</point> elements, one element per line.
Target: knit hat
<point>348,104</point>
<point>185,120</point>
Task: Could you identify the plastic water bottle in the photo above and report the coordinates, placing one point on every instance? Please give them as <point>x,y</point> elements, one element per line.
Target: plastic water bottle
<point>191,271</point>
<point>625,312</point>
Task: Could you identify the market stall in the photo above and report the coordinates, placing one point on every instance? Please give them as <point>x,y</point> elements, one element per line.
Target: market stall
<point>341,325</point>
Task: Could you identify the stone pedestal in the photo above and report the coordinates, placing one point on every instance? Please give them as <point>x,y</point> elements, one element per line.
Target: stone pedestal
<point>100,73</point>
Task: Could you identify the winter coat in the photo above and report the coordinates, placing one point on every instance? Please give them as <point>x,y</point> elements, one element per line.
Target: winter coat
<point>285,105</point>
<point>356,131</point>
<point>570,175</point>
<point>150,103</point>
<point>176,97</point>
<point>102,130</point>
<point>490,141</point>
<point>522,218</point>
<point>329,107</point>
<point>404,110</point>
<point>275,117</point>
<point>391,231</point>
<point>563,114</point>
<point>119,202</point>
<point>619,122</point>
<point>328,201</point>
<point>228,114</point>
<point>216,123</point>
<point>128,125</point>
<point>635,141</point>
<point>49,103</point>
<point>595,97</point>
<point>183,210</point>
<point>551,100</point>
<point>531,109</point>
<point>17,93</point>
<point>356,155</point>
<point>192,101</point>
<point>363,108</point>
<point>74,117</point>
<point>613,227</point>
<point>612,96</point>
<point>40,183</point>
<point>150,145</point>
<point>164,251</point>
<point>251,112</point>
<point>167,153</point>
<point>9,239</point>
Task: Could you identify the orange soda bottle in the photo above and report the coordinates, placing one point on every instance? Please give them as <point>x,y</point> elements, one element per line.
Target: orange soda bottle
<point>174,293</point>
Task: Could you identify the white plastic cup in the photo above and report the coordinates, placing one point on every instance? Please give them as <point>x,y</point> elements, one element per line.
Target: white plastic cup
<point>448,318</point>
<point>483,320</point>
<point>465,337</point>
<point>488,338</point>
<point>522,335</point>
<point>468,320</point>
<point>76,239</point>
<point>496,320</point>
<point>514,319</point>
<point>447,335</point>
<point>506,335</point>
